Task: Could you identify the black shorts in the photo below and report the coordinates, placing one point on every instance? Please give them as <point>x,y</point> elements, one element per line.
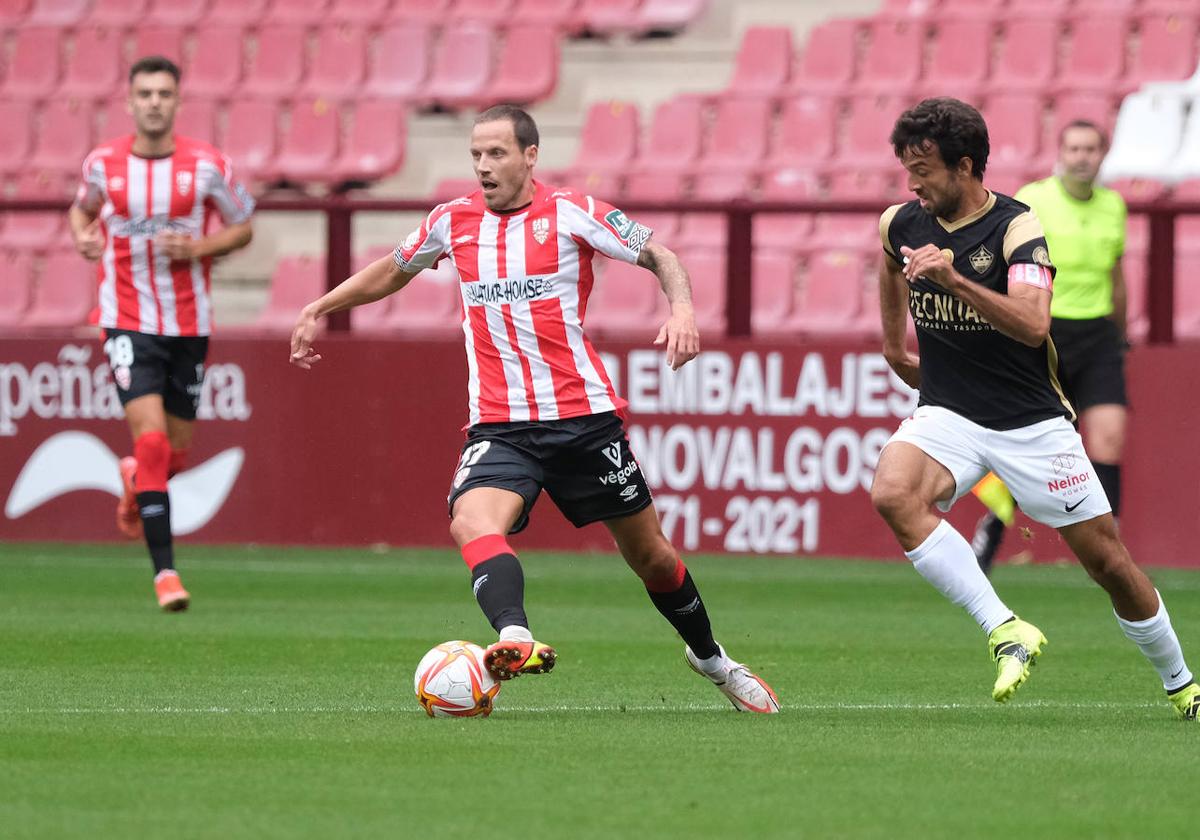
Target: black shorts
<point>172,366</point>
<point>584,464</point>
<point>1091,361</point>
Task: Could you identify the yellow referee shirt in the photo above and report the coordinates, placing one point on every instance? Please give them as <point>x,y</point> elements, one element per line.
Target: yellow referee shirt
<point>1086,238</point>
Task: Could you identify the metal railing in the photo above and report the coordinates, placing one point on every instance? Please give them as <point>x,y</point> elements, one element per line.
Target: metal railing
<point>739,216</point>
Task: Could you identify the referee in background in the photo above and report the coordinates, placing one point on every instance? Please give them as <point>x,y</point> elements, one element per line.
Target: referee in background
<point>1085,230</point>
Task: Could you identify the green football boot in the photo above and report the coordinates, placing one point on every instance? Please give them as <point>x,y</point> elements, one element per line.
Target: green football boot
<point>1015,645</point>
<point>1186,701</point>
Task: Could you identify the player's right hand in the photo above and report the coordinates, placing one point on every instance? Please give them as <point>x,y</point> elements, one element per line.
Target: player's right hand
<point>90,242</point>
<point>303,355</point>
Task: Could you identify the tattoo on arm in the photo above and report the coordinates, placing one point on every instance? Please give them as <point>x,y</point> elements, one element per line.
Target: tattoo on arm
<point>672,276</point>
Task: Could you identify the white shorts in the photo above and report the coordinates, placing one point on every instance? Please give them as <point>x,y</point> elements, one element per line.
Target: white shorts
<point>1044,465</point>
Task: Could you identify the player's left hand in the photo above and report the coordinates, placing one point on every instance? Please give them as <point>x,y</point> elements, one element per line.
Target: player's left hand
<point>929,262</point>
<point>175,246</point>
<point>682,338</point>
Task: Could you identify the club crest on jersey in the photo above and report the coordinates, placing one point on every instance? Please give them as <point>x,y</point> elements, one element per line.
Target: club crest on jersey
<point>541,230</point>
<point>1042,257</point>
<point>981,260</point>
<point>116,182</point>
<point>183,182</point>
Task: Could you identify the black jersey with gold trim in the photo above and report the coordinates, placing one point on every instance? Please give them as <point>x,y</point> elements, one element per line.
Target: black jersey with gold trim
<point>968,366</point>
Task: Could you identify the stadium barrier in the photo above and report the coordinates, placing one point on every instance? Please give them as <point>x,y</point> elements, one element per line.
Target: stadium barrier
<point>758,446</point>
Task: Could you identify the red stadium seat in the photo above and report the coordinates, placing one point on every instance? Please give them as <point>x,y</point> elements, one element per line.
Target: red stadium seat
<point>402,62</point>
<point>846,231</point>
<point>1138,189</point>
<point>774,290</point>
<point>664,225</point>
<point>493,12</point>
<point>895,9</point>
<point>702,230</point>
<point>339,66</point>
<point>656,186</point>
<point>197,119</point>
<point>33,67</point>
<point>560,14</point>
<point>375,145</point>
<point>1014,128</point>
<point>177,12</point>
<point>1096,56</point>
<point>461,66</point>
<point>1166,48</point>
<point>278,64</point>
<point>250,136</point>
<point>959,58</point>
<point>216,65</point>
<point>1029,56</point>
<point>782,231</point>
<point>237,12</point>
<point>609,138</point>
<point>1187,295</point>
<point>16,292</point>
<point>787,183</point>
<point>165,39</point>
<point>738,140</point>
<point>604,17</point>
<point>57,12</point>
<point>37,231</point>
<point>868,127</point>
<point>829,298</point>
<point>527,68</point>
<point>668,15</point>
<point>430,304</point>
<point>64,137</point>
<point>295,282</point>
<point>674,142</point>
<point>13,11</point>
<point>449,189</point>
<point>366,12</point>
<point>706,267</point>
<point>94,69</point>
<point>16,135</point>
<point>117,12</point>
<point>65,292</point>
<point>609,186</point>
<point>116,122</point>
<point>807,129</point>
<point>310,145</point>
<point>300,11</point>
<point>874,183</point>
<point>723,186</point>
<point>827,63</point>
<point>625,301</point>
<point>764,61</point>
<point>424,11</point>
<point>892,61</point>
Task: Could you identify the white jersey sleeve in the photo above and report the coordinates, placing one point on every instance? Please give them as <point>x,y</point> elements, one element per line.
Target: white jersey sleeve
<point>426,245</point>
<point>90,195</point>
<point>604,227</point>
<point>229,196</point>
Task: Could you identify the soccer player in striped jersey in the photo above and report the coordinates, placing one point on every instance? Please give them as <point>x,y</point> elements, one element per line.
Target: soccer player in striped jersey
<point>142,213</point>
<point>543,414</point>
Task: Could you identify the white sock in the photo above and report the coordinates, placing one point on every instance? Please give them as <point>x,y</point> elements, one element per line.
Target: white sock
<point>945,560</point>
<point>1157,640</point>
<point>515,633</point>
<point>716,664</point>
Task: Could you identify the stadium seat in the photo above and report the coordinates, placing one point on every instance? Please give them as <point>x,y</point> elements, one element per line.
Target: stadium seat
<point>829,297</point>
<point>491,12</point>
<point>16,292</point>
<point>339,65</point>
<point>527,67</point>
<point>764,61</point>
<point>449,189</point>
<point>374,146</point>
<point>667,16</point>
<point>892,61</point>
<point>675,132</point>
<point>1188,190</point>
<point>33,66</point>
<point>1166,49</point>
<point>560,14</point>
<point>278,64</point>
<point>13,12</point>
<point>303,12</point>
<point>401,62</point>
<point>846,231</point>
<point>609,137</point>
<point>1187,234</point>
<point>827,63</point>
<point>65,292</point>
<point>1146,139</point>
<point>1007,179</point>
<point>902,9</point>
<point>1028,58</point>
<point>738,138</point>
<point>115,121</point>
<point>165,39</point>
<point>177,12</point>
<point>1187,295</point>
<point>664,225</point>
<point>625,300</point>
<point>296,281</point>
<point>609,186</point>
<point>94,69</point>
<point>789,183</point>
<point>197,119</point>
<point>364,12</point>
<point>867,183</point>
<point>868,126</point>
<point>958,60</point>
<point>702,231</point>
<point>422,11</point>
<point>1138,189</point>
<point>706,267</point>
<point>216,65</point>
<point>57,12</point>
<point>723,186</point>
<point>807,127</point>
<point>16,135</point>
<point>117,12</point>
<point>656,186</point>
<point>430,304</point>
<point>237,12</point>
<point>1014,128</point>
<point>605,17</point>
<point>782,231</point>
<point>1096,56</point>
<point>310,144</point>
<point>774,289</point>
<point>461,66</point>
<point>64,137</point>
<point>250,136</point>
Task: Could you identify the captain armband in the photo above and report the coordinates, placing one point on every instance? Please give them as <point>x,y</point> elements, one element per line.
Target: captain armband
<point>1029,274</point>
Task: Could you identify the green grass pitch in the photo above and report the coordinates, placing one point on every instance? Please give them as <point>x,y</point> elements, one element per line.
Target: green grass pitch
<point>281,705</point>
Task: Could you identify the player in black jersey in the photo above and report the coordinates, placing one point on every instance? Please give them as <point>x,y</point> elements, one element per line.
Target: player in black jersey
<point>973,270</point>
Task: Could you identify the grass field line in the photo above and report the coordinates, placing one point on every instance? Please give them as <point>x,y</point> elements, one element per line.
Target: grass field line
<point>554,708</point>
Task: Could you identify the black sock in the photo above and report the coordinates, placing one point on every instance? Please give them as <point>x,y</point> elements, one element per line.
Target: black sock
<point>499,586</point>
<point>685,610</point>
<point>155,508</point>
<point>1110,480</point>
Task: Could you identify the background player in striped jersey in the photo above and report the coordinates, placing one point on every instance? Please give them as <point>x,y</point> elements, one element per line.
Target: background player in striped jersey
<point>142,212</point>
<point>542,411</point>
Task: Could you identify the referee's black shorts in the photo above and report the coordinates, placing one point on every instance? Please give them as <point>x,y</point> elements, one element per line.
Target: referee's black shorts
<point>1091,361</point>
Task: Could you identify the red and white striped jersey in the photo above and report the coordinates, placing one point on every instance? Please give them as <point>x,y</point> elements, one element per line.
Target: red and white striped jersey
<point>525,278</point>
<point>136,198</point>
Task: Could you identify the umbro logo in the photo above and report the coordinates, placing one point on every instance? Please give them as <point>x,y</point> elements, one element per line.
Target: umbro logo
<point>629,493</point>
<point>1070,508</point>
<point>478,585</point>
<point>613,453</point>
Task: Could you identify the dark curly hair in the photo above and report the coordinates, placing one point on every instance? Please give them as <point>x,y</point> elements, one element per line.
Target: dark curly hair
<point>955,127</point>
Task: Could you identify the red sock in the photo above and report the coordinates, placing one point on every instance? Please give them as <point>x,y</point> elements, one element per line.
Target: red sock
<point>178,460</point>
<point>153,453</point>
<point>668,583</point>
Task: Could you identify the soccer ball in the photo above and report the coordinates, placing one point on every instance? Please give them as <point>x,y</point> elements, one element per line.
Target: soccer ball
<point>451,681</point>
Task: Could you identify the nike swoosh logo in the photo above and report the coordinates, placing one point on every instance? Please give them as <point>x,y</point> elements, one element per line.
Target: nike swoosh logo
<point>1069,508</point>
<point>1176,674</point>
